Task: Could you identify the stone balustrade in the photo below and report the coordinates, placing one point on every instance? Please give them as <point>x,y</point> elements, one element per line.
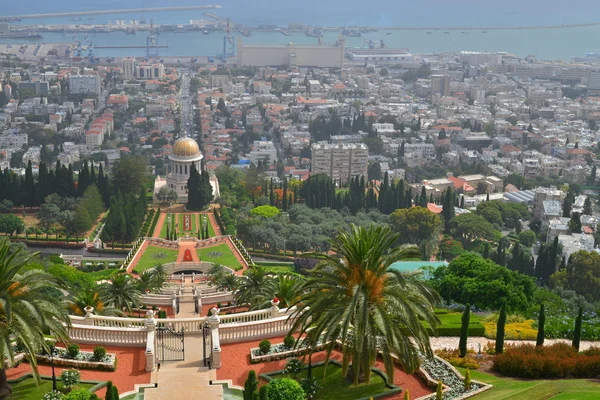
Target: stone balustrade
<point>247,331</point>
<point>110,336</point>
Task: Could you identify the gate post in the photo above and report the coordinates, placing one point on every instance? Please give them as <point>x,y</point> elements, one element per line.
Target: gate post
<point>215,353</point>
<point>89,315</point>
<point>150,339</point>
<point>275,308</point>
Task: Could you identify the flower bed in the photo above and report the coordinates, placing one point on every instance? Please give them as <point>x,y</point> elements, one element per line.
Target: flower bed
<point>83,360</point>
<point>559,360</point>
<point>437,369</point>
<point>280,351</point>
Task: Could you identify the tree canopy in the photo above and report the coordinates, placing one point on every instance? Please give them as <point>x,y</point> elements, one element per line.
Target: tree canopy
<point>582,275</point>
<point>473,279</point>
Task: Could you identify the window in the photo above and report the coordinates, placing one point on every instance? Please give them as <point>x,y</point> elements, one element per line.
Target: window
<point>186,169</point>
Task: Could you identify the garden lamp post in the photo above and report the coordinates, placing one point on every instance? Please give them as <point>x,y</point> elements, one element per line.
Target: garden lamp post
<point>52,349</point>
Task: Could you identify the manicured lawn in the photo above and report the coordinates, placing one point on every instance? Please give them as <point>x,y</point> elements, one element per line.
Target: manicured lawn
<point>279,269</point>
<point>28,390</point>
<point>104,274</point>
<point>211,231</point>
<point>560,389</point>
<point>452,320</point>
<point>148,260</point>
<point>225,257</point>
<point>335,386</point>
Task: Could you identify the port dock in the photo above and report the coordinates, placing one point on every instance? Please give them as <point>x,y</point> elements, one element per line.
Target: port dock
<point>104,12</point>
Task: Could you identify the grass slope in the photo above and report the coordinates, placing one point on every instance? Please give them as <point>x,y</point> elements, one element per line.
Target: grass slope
<point>226,258</point>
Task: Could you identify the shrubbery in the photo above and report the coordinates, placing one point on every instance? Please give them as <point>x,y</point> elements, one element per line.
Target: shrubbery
<point>453,357</point>
<point>73,350</point>
<point>264,346</point>
<point>70,377</point>
<point>289,341</point>
<point>99,353</point>
<point>285,389</point>
<point>559,360</point>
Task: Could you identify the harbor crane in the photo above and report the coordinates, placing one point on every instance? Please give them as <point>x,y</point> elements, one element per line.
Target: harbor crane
<point>151,42</point>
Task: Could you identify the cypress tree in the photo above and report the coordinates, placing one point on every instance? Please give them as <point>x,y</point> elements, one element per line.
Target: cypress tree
<point>115,392</point>
<point>29,192</point>
<point>206,235</point>
<point>486,250</point>
<point>263,393</point>
<point>406,394</point>
<point>423,197</point>
<point>541,322</point>
<point>464,331</point>
<point>439,391</point>
<point>284,198</point>
<point>109,393</point>
<point>500,329</point>
<point>577,332</point>
<point>467,380</point>
<point>271,194</point>
<point>93,179</point>
<point>250,386</point>
<point>83,180</point>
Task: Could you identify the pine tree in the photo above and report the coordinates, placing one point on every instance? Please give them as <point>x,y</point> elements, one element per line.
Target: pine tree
<point>500,329</point>
<point>541,322</point>
<point>464,331</point>
<point>577,332</point>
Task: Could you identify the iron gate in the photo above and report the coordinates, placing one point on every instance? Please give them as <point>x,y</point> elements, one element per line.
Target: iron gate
<point>207,343</point>
<point>169,344</point>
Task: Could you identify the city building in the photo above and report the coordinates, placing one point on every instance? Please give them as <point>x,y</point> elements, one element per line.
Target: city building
<point>292,55</point>
<point>128,67</point>
<point>218,81</point>
<point>263,151</point>
<point>542,194</point>
<point>37,88</point>
<point>340,161</point>
<point>85,84</point>
<point>440,84</point>
<point>13,140</point>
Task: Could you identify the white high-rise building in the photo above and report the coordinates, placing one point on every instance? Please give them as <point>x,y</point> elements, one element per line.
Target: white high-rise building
<point>128,66</point>
<point>340,161</point>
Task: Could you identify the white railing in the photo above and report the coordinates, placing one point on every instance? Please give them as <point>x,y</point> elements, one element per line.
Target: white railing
<point>189,325</point>
<point>217,298</point>
<point>114,336</point>
<point>251,316</point>
<point>246,331</point>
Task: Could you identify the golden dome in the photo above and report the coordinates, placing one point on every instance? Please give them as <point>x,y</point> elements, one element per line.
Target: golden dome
<point>186,147</point>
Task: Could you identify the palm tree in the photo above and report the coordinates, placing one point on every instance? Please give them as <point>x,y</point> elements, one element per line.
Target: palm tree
<point>287,288</point>
<point>89,297</point>
<point>368,307</point>
<point>255,284</point>
<point>159,275</point>
<point>228,282</point>
<point>121,292</point>
<point>27,311</point>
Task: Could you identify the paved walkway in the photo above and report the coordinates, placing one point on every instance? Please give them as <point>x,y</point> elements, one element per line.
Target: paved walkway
<point>137,257</point>
<point>445,342</point>
<point>159,225</point>
<point>213,222</point>
<point>185,246</point>
<point>186,379</point>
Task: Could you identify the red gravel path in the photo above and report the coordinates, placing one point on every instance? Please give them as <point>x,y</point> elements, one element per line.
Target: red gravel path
<point>236,365</point>
<point>159,224</point>
<point>131,364</point>
<point>137,257</point>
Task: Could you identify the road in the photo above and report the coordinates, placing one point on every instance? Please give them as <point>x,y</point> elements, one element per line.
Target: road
<point>187,118</point>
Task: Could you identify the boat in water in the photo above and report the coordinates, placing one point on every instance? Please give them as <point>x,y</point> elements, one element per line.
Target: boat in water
<point>589,57</point>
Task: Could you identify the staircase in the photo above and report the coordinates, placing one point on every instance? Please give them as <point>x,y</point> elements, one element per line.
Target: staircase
<point>185,380</point>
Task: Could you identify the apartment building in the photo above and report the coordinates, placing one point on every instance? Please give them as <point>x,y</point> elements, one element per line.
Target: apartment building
<point>128,67</point>
<point>84,84</point>
<point>542,194</point>
<point>13,140</point>
<point>417,154</point>
<point>217,81</point>
<point>263,151</point>
<point>340,161</point>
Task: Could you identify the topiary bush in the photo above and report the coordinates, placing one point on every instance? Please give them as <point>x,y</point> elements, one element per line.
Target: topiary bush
<point>310,387</point>
<point>289,341</point>
<point>80,394</point>
<point>264,346</point>
<point>73,350</point>
<point>70,377</point>
<point>285,389</point>
<point>53,395</point>
<point>294,366</point>
<point>99,353</point>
